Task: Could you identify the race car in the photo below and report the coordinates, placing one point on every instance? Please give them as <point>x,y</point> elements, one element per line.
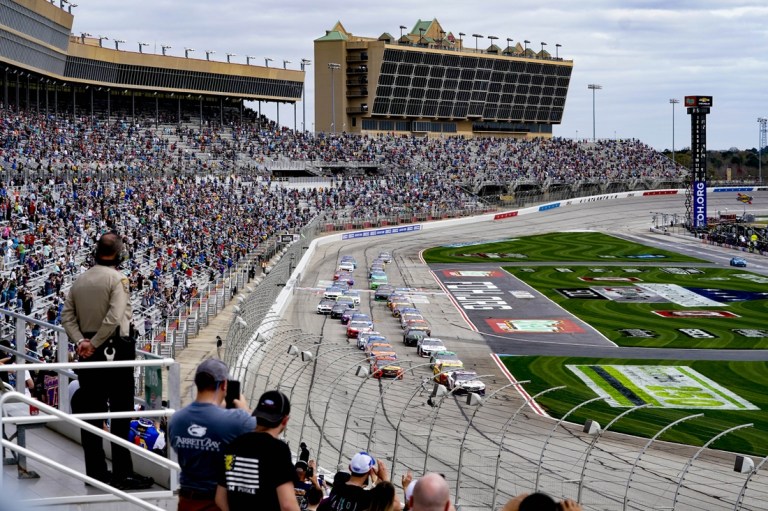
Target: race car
<point>386,367</point>
<point>338,309</point>
<point>354,295</point>
<point>344,276</point>
<point>438,357</point>
<point>386,257</point>
<point>739,261</point>
<point>462,382</point>
<point>355,327</point>
<point>346,266</point>
<point>424,324</point>
<point>325,306</point>
<point>382,293</point>
<point>333,292</point>
<point>348,259</point>
<point>378,278</point>
<point>429,345</point>
<point>346,316</point>
<point>412,336</point>
<point>365,337</point>
<point>441,371</point>
<point>380,346</point>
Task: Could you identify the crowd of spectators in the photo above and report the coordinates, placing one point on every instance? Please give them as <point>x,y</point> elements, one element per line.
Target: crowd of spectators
<point>187,215</point>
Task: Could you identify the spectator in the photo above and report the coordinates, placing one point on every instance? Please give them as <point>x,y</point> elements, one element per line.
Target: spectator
<point>539,502</point>
<point>306,478</point>
<point>199,431</point>
<point>257,472</point>
<point>314,497</point>
<point>353,495</point>
<point>431,493</point>
<point>384,497</point>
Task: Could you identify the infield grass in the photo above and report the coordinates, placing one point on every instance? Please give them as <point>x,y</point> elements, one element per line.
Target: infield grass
<point>610,317</point>
<point>747,379</point>
<point>559,246</point>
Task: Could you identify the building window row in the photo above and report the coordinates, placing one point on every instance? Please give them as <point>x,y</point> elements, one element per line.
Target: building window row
<point>24,51</point>
<point>440,75</point>
<point>410,126</point>
<point>29,22</point>
<point>532,110</point>
<point>143,76</point>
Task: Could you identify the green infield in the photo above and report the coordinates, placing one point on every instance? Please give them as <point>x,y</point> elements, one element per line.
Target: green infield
<point>560,246</point>
<point>666,307</point>
<point>727,393</point>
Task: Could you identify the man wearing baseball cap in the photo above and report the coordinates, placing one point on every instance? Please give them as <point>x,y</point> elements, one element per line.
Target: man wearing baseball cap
<point>258,470</point>
<point>199,431</point>
<point>353,495</point>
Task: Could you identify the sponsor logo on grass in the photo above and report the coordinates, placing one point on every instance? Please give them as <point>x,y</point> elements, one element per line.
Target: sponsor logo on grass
<point>472,273</point>
<point>534,326</point>
<point>597,270</point>
<point>639,333</point>
<point>495,255</point>
<point>757,279</point>
<point>610,279</point>
<point>681,296</point>
<point>646,256</point>
<point>564,270</point>
<point>728,295</point>
<point>752,333</point>
<point>696,333</point>
<point>607,257</point>
<point>629,294</point>
<point>682,271</point>
<point>696,314</point>
<point>478,295</point>
<point>528,270</point>
<point>632,270</point>
<point>659,386</point>
<point>582,293</point>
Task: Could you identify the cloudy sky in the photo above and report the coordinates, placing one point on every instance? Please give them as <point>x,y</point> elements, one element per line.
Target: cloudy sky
<point>643,52</point>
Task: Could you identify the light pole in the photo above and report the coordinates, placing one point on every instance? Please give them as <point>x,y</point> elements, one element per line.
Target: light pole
<point>593,87</point>
<point>557,50</point>
<point>509,45</point>
<point>476,36</point>
<point>543,44</point>
<point>101,40</point>
<point>402,27</point>
<point>208,54</point>
<point>492,38</point>
<point>141,46</point>
<point>304,63</point>
<point>673,102</point>
<point>285,64</point>
<point>525,51</point>
<point>248,59</point>
<point>229,56</point>
<point>763,128</point>
<point>333,66</point>
<point>267,60</point>
<point>117,43</point>
<point>187,51</point>
<point>461,41</point>
<point>164,48</point>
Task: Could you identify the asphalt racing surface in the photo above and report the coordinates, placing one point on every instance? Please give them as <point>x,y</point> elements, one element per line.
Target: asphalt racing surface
<point>339,413</point>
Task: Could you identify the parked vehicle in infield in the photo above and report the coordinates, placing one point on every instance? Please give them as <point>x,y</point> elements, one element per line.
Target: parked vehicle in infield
<point>739,262</point>
<point>438,357</point>
<point>355,327</point>
<point>382,293</point>
<point>325,306</point>
<point>429,345</point>
<point>333,292</point>
<point>346,316</point>
<point>372,336</point>
<point>463,382</point>
<point>412,336</point>
<point>386,367</point>
<point>378,279</point>
<point>441,371</point>
<point>386,257</point>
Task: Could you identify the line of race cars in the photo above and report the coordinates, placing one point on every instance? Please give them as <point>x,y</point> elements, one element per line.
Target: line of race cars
<point>341,302</point>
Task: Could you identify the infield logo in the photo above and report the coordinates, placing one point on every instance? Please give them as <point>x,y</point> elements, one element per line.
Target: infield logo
<point>534,326</point>
<point>700,314</point>
<point>696,333</point>
<point>472,273</point>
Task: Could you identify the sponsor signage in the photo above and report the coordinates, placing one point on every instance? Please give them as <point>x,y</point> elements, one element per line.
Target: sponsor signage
<point>472,273</point>
<point>547,207</point>
<point>629,294</point>
<point>659,192</point>
<point>380,232</point>
<point>522,294</point>
<point>639,333</point>
<point>700,101</point>
<point>682,271</point>
<point>478,295</point>
<point>734,189</point>
<point>757,279</point>
<point>681,296</point>
<point>646,256</point>
<point>699,203</point>
<point>564,270</point>
<point>728,295</point>
<point>658,386</point>
<point>287,238</point>
<point>508,214</point>
<point>752,333</point>
<point>534,326</point>
<point>583,293</point>
<point>701,314</point>
<point>473,243</point>
<point>610,279</point>
<point>494,255</point>
<point>696,333</point>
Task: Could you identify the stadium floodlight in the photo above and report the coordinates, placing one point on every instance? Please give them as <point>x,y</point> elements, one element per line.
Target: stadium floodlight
<point>208,54</point>
<point>477,36</point>
<point>102,38</point>
<point>71,6</point>
<point>526,42</point>
<point>492,38</point>
<point>557,50</point>
<point>509,45</point>
<point>543,44</point>
<point>402,27</point>
<point>461,43</point>
<point>248,59</point>
<point>267,60</point>
<point>117,43</point>
<point>593,87</point>
<point>83,35</point>
<point>285,64</point>
<point>187,51</point>
<point>62,2</point>
<point>333,66</point>
<point>141,46</point>
<point>229,56</point>
<point>165,47</point>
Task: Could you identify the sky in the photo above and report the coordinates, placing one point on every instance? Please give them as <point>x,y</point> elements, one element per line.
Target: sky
<point>642,52</point>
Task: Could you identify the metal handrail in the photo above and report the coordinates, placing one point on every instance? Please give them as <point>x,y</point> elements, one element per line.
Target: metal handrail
<point>159,460</point>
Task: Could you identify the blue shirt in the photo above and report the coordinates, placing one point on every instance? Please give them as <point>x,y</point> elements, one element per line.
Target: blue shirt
<point>198,433</point>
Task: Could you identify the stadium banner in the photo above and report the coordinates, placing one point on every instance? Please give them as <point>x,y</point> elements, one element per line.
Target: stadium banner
<point>380,232</point>
<point>699,203</point>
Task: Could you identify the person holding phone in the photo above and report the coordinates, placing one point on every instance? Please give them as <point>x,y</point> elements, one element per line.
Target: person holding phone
<point>199,431</point>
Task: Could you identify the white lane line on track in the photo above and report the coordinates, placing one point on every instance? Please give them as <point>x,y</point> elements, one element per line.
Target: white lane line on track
<point>538,410</point>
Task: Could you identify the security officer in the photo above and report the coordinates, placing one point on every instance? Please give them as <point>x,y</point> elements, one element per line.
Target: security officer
<point>97,316</point>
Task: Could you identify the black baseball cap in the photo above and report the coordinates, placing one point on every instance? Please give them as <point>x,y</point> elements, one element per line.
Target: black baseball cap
<point>273,406</point>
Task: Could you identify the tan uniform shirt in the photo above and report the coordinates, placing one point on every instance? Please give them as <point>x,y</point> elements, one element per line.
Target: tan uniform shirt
<point>99,301</point>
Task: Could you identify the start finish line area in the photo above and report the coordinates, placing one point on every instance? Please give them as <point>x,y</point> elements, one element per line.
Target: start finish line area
<point>508,311</point>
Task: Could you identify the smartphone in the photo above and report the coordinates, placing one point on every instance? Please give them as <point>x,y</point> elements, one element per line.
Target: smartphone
<point>320,479</point>
<point>233,392</point>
